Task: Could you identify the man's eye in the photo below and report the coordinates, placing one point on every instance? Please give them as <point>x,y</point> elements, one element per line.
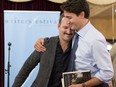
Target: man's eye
<point>68,17</point>
<point>65,27</point>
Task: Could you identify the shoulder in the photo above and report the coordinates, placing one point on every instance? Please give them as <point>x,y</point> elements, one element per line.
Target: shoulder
<point>51,40</point>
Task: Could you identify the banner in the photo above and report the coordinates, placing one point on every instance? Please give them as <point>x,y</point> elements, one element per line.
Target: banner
<point>22,29</point>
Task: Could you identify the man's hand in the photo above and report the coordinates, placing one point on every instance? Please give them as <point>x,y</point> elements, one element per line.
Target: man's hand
<point>110,84</point>
<point>76,85</point>
<point>39,45</point>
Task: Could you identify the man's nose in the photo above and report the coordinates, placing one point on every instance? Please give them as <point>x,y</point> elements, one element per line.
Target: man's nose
<point>69,22</point>
<point>69,31</point>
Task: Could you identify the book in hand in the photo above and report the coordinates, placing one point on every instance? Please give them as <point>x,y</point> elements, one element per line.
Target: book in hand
<point>75,77</point>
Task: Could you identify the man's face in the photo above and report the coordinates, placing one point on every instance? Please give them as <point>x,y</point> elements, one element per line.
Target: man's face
<point>65,32</point>
<point>74,20</point>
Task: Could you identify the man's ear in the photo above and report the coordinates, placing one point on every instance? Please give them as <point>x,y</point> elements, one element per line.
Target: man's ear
<point>82,14</point>
<point>58,25</point>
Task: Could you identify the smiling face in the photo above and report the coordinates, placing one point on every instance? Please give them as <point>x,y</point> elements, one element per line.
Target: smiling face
<point>77,11</point>
<point>65,32</point>
<point>75,21</point>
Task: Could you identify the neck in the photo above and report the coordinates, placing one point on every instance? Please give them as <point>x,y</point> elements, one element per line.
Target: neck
<point>84,22</point>
<point>64,45</point>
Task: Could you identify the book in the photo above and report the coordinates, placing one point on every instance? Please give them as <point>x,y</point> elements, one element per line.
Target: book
<point>75,77</point>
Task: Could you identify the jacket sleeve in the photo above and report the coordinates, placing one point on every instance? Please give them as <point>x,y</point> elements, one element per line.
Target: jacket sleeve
<point>28,66</point>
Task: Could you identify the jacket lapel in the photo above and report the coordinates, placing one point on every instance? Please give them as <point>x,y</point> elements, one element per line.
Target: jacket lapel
<point>53,51</point>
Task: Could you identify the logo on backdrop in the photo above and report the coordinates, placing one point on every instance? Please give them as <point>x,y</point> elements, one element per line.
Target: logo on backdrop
<point>39,21</point>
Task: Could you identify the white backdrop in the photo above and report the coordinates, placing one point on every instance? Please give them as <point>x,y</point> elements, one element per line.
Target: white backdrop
<point>22,29</point>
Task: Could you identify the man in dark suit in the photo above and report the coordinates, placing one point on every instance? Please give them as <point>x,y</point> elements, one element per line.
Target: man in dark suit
<point>52,62</point>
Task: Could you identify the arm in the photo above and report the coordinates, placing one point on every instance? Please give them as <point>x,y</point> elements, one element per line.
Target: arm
<point>103,61</point>
<point>28,66</point>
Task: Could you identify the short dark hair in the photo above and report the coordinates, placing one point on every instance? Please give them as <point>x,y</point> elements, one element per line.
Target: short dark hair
<point>61,16</point>
<point>76,7</point>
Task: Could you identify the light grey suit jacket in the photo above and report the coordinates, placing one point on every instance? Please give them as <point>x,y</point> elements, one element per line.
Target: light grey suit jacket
<point>46,61</point>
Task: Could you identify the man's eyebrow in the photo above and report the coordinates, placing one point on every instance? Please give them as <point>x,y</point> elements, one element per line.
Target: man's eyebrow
<point>68,17</point>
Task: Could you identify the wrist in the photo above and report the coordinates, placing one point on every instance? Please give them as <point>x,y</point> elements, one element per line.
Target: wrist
<point>84,85</point>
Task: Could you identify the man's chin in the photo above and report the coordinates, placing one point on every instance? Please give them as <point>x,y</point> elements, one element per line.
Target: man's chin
<point>68,39</point>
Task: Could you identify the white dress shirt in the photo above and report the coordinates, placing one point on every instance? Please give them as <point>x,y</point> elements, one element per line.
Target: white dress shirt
<point>92,53</point>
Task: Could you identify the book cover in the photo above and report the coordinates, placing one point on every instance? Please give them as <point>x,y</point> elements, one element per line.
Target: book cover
<point>75,77</point>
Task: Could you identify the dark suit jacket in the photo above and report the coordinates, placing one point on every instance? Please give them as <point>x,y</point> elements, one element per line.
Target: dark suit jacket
<point>46,60</point>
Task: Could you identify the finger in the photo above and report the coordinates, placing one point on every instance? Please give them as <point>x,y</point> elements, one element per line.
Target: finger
<point>39,45</point>
<point>42,48</point>
<point>42,41</point>
<point>37,48</point>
